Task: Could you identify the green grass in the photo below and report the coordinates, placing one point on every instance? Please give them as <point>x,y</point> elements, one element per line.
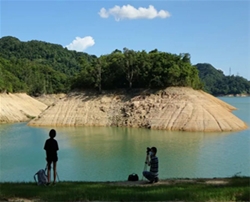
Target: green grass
<point>238,189</point>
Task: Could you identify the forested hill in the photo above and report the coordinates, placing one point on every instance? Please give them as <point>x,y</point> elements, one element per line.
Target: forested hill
<point>53,55</point>
<point>216,83</point>
<point>38,67</point>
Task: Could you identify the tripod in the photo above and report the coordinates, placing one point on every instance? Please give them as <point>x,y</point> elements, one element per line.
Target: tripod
<point>145,165</point>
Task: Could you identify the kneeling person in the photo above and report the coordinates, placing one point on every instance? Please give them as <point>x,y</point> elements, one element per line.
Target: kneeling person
<point>152,174</point>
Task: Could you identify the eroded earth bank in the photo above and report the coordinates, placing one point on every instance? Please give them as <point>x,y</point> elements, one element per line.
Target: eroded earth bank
<point>174,108</point>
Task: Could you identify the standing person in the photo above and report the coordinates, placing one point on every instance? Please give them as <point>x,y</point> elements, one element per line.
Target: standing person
<point>153,162</point>
<point>51,147</point>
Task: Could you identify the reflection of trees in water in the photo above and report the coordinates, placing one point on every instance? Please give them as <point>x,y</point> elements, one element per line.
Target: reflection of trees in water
<point>121,150</point>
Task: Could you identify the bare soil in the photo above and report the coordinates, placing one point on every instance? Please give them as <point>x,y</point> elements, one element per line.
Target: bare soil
<point>173,108</point>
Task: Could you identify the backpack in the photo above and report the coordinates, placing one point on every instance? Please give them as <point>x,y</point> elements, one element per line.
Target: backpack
<point>41,176</point>
<point>133,177</point>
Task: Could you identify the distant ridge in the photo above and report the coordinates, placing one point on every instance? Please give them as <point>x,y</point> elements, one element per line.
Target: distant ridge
<point>216,83</point>
<point>38,67</point>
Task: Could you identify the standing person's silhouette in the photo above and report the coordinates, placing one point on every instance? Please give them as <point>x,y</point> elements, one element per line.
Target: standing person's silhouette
<point>51,147</point>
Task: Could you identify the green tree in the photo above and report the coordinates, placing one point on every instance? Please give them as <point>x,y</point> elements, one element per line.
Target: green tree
<point>129,66</point>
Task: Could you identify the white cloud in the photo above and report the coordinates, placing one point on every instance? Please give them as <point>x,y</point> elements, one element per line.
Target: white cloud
<point>80,44</point>
<point>130,12</point>
<point>103,13</point>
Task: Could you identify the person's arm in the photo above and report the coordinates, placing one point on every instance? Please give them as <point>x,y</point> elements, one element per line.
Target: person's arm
<point>45,148</point>
<point>147,160</point>
<point>57,147</point>
<point>45,145</point>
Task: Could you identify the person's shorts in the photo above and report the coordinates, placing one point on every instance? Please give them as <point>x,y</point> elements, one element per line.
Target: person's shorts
<point>50,160</point>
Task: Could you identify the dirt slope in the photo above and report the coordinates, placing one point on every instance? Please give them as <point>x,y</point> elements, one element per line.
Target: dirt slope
<point>19,107</point>
<point>170,109</point>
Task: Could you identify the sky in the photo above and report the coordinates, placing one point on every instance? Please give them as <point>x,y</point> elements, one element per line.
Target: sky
<point>214,32</point>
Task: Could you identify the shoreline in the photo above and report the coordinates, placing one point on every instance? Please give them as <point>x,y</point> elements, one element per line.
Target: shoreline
<point>232,95</point>
<point>141,182</point>
<point>171,109</point>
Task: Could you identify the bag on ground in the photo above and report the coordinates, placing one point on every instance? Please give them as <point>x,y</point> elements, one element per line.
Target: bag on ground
<point>40,177</point>
<point>133,177</point>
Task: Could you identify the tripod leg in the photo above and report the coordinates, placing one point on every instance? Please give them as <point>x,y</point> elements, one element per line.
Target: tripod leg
<point>145,169</point>
<point>57,177</point>
<point>145,166</point>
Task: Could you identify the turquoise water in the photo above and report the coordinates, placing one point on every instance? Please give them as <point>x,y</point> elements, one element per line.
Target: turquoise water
<point>111,154</point>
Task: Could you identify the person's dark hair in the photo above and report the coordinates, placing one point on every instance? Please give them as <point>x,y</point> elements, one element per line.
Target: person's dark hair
<point>154,149</point>
<point>52,133</point>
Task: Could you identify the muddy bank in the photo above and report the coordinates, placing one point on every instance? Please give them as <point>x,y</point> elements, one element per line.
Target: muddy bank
<point>174,108</point>
<point>19,107</point>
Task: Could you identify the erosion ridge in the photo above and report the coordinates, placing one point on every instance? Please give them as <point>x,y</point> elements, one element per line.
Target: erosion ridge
<point>173,108</point>
<point>19,107</point>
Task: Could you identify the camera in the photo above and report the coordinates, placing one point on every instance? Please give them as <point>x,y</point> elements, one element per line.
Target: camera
<point>148,150</point>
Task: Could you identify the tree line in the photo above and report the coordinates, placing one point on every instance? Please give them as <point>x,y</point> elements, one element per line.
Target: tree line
<point>137,69</point>
<point>37,67</point>
<point>216,83</point>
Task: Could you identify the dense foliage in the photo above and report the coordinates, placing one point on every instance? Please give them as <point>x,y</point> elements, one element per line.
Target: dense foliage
<point>216,83</point>
<point>38,67</point>
<point>131,69</point>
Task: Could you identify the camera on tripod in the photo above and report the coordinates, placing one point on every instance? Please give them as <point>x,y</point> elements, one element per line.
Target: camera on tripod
<point>148,150</point>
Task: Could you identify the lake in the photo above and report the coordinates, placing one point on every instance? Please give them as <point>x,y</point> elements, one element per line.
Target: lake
<point>111,154</point>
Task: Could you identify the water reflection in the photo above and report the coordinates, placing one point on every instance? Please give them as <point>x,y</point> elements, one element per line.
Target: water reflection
<point>113,153</point>
<point>110,154</point>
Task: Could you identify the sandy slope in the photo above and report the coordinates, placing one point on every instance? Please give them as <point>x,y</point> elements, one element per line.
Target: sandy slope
<point>19,107</point>
<point>170,109</point>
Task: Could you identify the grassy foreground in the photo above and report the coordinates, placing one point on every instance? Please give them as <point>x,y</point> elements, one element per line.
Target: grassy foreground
<point>235,189</point>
